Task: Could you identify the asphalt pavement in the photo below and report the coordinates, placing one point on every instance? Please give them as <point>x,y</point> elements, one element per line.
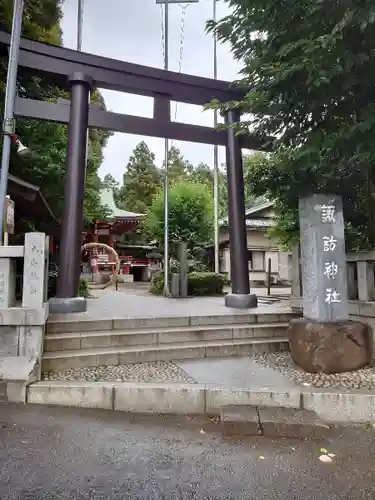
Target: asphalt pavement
<point>69,454</point>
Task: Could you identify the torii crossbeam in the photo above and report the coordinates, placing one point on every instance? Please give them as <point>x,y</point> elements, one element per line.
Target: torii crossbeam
<point>81,72</point>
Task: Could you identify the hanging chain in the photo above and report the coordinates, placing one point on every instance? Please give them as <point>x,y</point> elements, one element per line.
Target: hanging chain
<point>182,41</point>
<point>162,30</point>
<point>182,46</point>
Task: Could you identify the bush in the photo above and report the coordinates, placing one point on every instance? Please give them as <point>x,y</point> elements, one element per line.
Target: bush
<point>83,290</point>
<point>198,284</point>
<point>157,283</point>
<point>205,284</point>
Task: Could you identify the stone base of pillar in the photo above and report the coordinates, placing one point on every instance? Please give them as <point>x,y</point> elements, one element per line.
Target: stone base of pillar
<point>67,305</point>
<point>330,347</point>
<point>241,301</point>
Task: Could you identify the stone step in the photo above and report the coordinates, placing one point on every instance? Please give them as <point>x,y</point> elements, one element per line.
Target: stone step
<point>151,336</point>
<point>272,421</point>
<point>83,325</point>
<point>61,360</point>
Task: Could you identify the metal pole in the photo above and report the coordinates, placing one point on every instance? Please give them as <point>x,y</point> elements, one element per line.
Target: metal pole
<point>166,154</point>
<point>216,166</point>
<point>80,26</point>
<point>10,96</point>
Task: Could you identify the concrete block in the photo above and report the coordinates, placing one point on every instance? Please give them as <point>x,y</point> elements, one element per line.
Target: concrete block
<point>240,420</point>
<point>63,326</point>
<point>136,356</point>
<point>75,394</point>
<point>291,423</point>
<point>11,251</point>
<point>31,341</point>
<point>13,316</point>
<point>53,345</point>
<point>269,318</point>
<point>186,353</point>
<point>222,319</point>
<point>160,398</point>
<point>54,364</point>
<point>107,359</point>
<point>9,340</point>
<point>151,322</point>
<point>195,335</point>
<point>217,397</point>
<point>36,317</point>
<point>7,283</point>
<point>344,407</point>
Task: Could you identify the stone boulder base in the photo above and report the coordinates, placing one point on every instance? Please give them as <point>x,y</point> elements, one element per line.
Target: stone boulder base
<point>330,347</point>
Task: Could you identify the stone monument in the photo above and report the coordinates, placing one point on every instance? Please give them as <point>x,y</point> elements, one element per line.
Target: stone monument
<point>325,340</point>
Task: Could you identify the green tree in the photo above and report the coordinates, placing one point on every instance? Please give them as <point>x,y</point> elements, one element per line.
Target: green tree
<point>178,167</point>
<point>190,215</point>
<point>142,179</point>
<point>307,70</point>
<point>48,141</point>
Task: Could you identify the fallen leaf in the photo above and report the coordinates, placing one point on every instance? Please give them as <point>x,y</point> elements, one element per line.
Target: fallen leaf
<point>261,457</point>
<point>325,458</point>
<point>323,450</point>
<point>373,425</point>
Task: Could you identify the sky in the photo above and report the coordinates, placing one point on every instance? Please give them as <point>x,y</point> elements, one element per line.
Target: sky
<point>130,30</point>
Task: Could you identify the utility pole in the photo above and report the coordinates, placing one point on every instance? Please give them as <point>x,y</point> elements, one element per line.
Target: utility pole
<point>216,162</point>
<point>166,144</point>
<point>10,97</point>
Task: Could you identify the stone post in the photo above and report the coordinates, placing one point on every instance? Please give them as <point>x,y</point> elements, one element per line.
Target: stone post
<point>325,340</point>
<point>182,257</point>
<point>34,271</point>
<point>7,283</point>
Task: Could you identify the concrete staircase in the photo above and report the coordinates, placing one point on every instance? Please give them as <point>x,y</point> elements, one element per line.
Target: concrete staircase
<point>111,342</point>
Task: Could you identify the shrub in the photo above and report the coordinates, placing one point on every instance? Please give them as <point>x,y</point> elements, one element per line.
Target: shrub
<point>199,284</point>
<point>205,284</point>
<point>157,283</point>
<point>83,290</point>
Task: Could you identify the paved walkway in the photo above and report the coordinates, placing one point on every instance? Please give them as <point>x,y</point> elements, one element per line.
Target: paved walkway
<point>236,373</point>
<point>67,454</point>
<point>124,303</point>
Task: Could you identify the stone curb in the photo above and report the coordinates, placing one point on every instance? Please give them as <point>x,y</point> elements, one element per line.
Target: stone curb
<point>193,399</point>
<point>272,422</point>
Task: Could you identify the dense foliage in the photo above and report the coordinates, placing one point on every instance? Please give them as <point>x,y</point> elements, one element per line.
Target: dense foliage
<point>308,66</point>
<point>48,141</point>
<point>190,215</point>
<point>199,284</point>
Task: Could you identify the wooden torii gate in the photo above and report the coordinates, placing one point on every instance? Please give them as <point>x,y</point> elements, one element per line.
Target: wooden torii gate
<point>80,73</point>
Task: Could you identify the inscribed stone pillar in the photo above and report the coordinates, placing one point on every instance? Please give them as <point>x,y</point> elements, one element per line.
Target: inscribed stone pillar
<point>34,271</point>
<point>325,340</point>
<point>323,258</point>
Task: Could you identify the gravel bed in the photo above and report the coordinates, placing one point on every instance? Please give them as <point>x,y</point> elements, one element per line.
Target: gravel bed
<point>283,363</point>
<point>158,371</point>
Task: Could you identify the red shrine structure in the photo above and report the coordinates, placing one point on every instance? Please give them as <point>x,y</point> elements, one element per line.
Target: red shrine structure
<point>108,231</point>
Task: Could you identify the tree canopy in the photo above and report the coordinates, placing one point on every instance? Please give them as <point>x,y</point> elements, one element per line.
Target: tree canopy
<point>190,215</point>
<point>48,141</point>
<point>307,69</point>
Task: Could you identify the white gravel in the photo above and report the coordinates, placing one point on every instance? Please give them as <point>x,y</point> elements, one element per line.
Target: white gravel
<point>158,371</point>
<point>283,363</point>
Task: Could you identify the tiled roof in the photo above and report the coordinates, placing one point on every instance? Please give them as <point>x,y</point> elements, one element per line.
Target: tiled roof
<point>259,223</point>
<point>107,199</point>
